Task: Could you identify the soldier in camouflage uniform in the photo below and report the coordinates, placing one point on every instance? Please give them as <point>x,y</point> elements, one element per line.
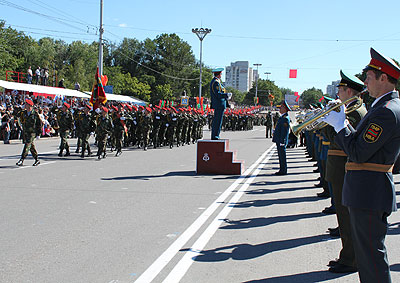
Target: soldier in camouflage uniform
<point>104,128</point>
<point>156,126</point>
<point>120,128</point>
<point>171,129</point>
<point>179,127</point>
<point>77,118</point>
<point>146,123</point>
<point>32,127</point>
<point>163,127</point>
<point>86,126</point>
<point>66,123</point>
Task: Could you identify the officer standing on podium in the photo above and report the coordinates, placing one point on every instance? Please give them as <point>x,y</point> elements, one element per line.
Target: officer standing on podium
<point>219,101</point>
<point>372,149</point>
<point>281,136</point>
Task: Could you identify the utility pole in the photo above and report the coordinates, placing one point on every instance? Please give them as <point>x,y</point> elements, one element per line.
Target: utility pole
<point>101,30</point>
<point>257,65</point>
<point>267,73</point>
<point>201,34</point>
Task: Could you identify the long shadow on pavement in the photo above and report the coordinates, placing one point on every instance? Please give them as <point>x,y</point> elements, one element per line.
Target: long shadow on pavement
<point>273,191</point>
<point>147,177</point>
<point>265,221</point>
<point>309,277</point>
<point>248,251</point>
<point>268,202</point>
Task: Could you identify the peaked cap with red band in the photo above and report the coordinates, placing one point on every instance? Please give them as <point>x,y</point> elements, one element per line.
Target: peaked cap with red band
<point>383,64</point>
<point>29,102</point>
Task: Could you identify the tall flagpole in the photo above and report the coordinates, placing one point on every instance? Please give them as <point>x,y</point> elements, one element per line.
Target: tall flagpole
<point>101,40</point>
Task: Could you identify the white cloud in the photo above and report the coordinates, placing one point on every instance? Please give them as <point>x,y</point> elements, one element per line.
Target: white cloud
<point>123,25</point>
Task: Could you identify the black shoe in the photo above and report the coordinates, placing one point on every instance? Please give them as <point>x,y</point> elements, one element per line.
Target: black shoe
<point>316,171</point>
<point>36,163</point>
<point>341,268</point>
<point>324,194</point>
<point>333,262</point>
<point>329,210</point>
<point>60,154</point>
<point>335,232</point>
<point>77,150</point>
<point>99,157</point>
<point>280,173</point>
<point>67,153</point>
<point>104,155</point>
<point>118,153</point>
<point>82,155</point>
<point>20,162</point>
<point>145,148</point>
<point>89,154</point>
<point>319,185</point>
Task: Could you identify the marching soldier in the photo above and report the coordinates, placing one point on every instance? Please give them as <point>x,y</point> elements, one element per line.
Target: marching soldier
<point>87,125</point>
<point>119,128</point>
<point>372,149</point>
<point>268,125</point>
<point>146,123</point>
<point>32,127</point>
<point>104,128</point>
<point>66,124</point>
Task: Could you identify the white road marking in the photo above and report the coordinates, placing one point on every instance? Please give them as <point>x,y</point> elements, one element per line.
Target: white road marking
<point>184,264</point>
<point>158,265</point>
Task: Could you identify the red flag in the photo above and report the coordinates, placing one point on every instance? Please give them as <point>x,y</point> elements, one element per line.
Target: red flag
<point>320,100</point>
<point>293,73</point>
<point>297,96</point>
<point>98,93</point>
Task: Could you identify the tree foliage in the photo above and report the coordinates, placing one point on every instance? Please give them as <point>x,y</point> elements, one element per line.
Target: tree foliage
<point>265,88</point>
<point>310,96</point>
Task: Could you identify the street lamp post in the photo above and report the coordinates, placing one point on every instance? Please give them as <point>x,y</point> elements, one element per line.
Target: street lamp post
<point>201,34</point>
<point>267,73</point>
<point>257,65</point>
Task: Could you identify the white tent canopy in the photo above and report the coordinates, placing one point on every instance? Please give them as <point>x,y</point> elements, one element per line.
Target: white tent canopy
<point>123,98</point>
<point>43,89</point>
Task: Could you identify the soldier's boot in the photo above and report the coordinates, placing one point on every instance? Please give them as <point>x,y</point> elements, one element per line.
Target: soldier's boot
<point>119,152</point>
<point>20,162</point>
<point>67,153</point>
<point>171,145</point>
<point>77,150</point>
<point>89,152</point>
<point>36,163</point>
<point>145,147</point>
<point>60,153</point>
<point>104,155</point>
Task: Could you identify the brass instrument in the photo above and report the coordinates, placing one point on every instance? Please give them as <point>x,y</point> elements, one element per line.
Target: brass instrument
<point>312,123</point>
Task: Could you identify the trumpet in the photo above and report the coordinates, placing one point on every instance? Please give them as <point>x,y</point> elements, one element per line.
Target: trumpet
<point>312,123</point>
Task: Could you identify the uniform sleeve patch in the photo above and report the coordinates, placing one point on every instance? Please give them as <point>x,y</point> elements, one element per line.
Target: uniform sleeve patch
<point>372,133</point>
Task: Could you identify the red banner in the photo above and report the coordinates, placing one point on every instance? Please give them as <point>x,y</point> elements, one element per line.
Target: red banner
<point>293,73</point>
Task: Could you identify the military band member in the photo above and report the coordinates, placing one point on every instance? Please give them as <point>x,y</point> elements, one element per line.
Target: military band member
<point>372,148</point>
<point>31,127</point>
<point>348,87</point>
<point>281,136</point>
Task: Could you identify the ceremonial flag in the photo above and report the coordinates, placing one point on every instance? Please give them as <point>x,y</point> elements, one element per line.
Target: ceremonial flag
<point>293,73</point>
<point>320,100</point>
<point>98,93</point>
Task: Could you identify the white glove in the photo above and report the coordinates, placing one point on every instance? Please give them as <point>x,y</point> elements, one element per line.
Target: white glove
<point>122,118</point>
<point>336,119</point>
<point>229,95</point>
<point>98,110</point>
<point>166,125</point>
<point>282,144</point>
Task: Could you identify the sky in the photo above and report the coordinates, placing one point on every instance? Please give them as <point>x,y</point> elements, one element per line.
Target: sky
<point>316,37</point>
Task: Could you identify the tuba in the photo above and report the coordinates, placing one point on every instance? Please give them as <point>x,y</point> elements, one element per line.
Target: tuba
<point>312,123</point>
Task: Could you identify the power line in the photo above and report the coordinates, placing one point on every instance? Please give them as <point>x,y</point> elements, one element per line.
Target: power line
<point>151,69</point>
<point>55,19</point>
<point>49,30</point>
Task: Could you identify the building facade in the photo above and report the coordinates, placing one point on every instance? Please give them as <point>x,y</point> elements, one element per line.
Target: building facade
<point>332,89</point>
<point>240,76</point>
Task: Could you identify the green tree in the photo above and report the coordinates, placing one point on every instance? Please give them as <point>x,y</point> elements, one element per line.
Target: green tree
<point>311,95</point>
<point>265,88</point>
<point>237,95</point>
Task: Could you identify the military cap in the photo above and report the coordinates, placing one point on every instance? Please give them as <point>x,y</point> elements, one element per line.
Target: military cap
<point>105,109</point>
<point>148,109</point>
<point>383,64</point>
<point>67,105</point>
<point>141,107</point>
<point>114,107</point>
<point>158,107</point>
<point>217,70</point>
<point>328,98</point>
<point>88,106</point>
<point>284,103</point>
<point>134,108</point>
<point>350,81</point>
<point>28,101</point>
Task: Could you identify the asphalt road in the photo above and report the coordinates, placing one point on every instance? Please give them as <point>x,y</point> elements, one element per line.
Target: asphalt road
<point>147,216</point>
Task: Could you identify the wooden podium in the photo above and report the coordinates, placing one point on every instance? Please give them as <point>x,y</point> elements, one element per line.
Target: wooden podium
<point>214,157</point>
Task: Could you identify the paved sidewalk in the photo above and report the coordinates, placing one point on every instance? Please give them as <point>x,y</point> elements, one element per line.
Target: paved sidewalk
<point>277,233</point>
